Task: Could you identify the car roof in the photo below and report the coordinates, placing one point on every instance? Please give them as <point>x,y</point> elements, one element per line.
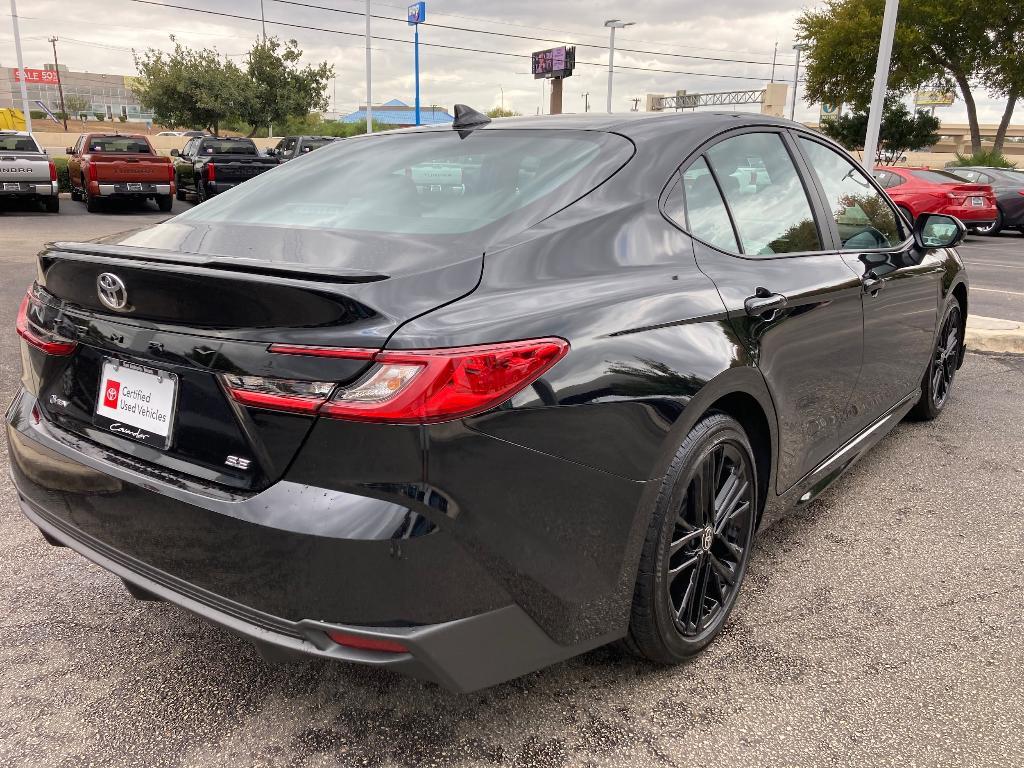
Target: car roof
<point>628,124</point>
<point>8,132</point>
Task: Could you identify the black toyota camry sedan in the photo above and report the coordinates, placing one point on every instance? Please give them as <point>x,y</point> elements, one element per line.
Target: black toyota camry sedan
<point>465,401</point>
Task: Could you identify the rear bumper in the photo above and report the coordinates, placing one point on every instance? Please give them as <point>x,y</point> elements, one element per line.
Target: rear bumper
<point>284,566</point>
<point>122,189</point>
<point>28,189</point>
<point>216,187</point>
<point>971,216</point>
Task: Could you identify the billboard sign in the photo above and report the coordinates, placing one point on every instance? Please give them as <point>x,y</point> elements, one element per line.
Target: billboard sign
<point>934,98</point>
<point>554,62</point>
<point>43,76</point>
<point>417,13</point>
<point>829,111</point>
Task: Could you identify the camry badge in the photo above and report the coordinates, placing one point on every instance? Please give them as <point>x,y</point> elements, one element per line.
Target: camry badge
<point>110,288</point>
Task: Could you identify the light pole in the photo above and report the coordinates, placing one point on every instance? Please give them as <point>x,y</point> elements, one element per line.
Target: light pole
<point>892,8</point>
<point>417,14</point>
<point>613,24</point>
<point>369,91</point>
<point>586,101</point>
<point>21,68</point>
<point>796,78</point>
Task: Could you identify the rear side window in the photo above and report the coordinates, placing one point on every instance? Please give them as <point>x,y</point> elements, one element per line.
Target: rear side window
<point>430,183</point>
<point>863,216</point>
<point>765,195</point>
<point>706,215</point>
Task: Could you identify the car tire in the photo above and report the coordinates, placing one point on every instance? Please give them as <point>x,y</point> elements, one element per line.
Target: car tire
<point>164,203</point>
<point>994,228</point>
<point>938,379</point>
<point>201,196</point>
<point>51,205</point>
<point>74,193</point>
<point>696,550</point>
<point>179,193</point>
<point>92,204</point>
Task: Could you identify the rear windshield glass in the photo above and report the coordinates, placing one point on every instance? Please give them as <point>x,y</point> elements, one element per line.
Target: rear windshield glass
<point>310,144</point>
<point>227,147</point>
<point>429,183</point>
<point>125,144</point>
<point>938,177</point>
<point>17,144</point>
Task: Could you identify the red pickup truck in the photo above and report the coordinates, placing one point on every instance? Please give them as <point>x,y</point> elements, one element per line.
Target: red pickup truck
<point>109,165</point>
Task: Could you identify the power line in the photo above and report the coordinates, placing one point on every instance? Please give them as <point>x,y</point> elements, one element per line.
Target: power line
<point>291,25</point>
<point>532,39</point>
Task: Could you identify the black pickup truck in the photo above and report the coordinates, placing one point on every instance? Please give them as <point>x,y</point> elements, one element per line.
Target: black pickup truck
<point>208,165</point>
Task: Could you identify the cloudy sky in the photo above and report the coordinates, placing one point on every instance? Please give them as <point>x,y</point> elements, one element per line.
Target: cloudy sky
<point>674,44</point>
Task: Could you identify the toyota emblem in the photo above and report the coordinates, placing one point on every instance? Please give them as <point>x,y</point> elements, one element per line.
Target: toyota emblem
<point>110,288</point>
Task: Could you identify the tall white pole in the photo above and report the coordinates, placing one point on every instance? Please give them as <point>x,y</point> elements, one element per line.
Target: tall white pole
<point>21,68</point>
<point>796,82</point>
<point>611,66</point>
<point>881,80</point>
<point>369,89</point>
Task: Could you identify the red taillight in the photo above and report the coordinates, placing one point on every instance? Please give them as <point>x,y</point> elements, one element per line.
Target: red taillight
<point>211,172</point>
<point>278,394</point>
<point>42,340</point>
<point>381,644</point>
<point>93,172</point>
<point>170,172</point>
<point>53,171</point>
<point>423,386</point>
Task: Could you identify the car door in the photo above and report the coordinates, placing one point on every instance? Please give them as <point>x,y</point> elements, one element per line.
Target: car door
<point>185,165</point>
<point>792,299</point>
<point>901,286</point>
<point>75,162</point>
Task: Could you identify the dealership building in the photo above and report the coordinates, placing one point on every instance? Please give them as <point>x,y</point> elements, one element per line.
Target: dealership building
<point>107,95</point>
<point>398,114</point>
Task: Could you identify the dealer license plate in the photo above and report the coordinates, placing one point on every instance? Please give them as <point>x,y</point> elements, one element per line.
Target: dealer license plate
<point>11,186</point>
<point>134,186</point>
<point>978,202</point>
<point>137,402</point>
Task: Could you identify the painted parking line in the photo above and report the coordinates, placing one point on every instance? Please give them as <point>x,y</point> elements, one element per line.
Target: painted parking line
<point>996,290</point>
<point>979,264</point>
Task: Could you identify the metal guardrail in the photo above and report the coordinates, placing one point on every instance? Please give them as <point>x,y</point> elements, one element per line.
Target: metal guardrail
<point>694,100</point>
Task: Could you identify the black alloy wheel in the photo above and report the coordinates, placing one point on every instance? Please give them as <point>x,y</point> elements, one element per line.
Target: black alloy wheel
<point>994,228</point>
<point>698,545</point>
<point>938,379</point>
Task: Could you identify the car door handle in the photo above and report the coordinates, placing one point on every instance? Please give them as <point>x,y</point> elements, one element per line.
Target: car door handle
<point>764,302</point>
<point>872,283</point>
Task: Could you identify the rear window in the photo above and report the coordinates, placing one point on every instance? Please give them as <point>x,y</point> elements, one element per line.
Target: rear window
<point>937,177</point>
<point>227,147</point>
<point>310,144</point>
<point>125,144</point>
<point>429,183</point>
<point>17,144</point>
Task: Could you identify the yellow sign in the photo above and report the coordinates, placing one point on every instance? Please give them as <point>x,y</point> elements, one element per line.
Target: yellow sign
<point>934,98</point>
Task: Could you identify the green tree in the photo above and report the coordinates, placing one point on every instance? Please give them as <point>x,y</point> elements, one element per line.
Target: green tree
<point>900,130</point>
<point>191,88</point>
<point>75,104</point>
<point>968,44</point>
<point>279,88</point>
<point>501,112</point>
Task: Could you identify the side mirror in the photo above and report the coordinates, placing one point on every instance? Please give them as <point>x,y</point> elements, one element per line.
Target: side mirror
<point>937,230</point>
<point>174,153</point>
<point>70,150</point>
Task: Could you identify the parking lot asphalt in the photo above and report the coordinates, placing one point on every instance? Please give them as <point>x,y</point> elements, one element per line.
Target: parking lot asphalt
<point>880,625</point>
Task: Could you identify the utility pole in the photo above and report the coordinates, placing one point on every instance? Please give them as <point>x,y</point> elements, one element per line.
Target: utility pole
<point>263,21</point>
<point>60,86</point>
<point>796,79</point>
<point>369,90</point>
<point>613,24</point>
<point>21,68</point>
<point>774,55</point>
<point>586,101</point>
<point>892,8</point>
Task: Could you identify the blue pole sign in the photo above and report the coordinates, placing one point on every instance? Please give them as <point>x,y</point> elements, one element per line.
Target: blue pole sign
<point>417,15</point>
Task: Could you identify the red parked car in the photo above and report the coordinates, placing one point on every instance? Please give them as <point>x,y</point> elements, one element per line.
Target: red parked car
<point>921,190</point>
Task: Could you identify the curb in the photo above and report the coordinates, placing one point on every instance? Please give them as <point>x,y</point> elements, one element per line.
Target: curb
<point>989,334</point>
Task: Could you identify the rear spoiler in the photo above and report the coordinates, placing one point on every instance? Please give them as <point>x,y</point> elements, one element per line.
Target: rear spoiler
<point>83,252</point>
